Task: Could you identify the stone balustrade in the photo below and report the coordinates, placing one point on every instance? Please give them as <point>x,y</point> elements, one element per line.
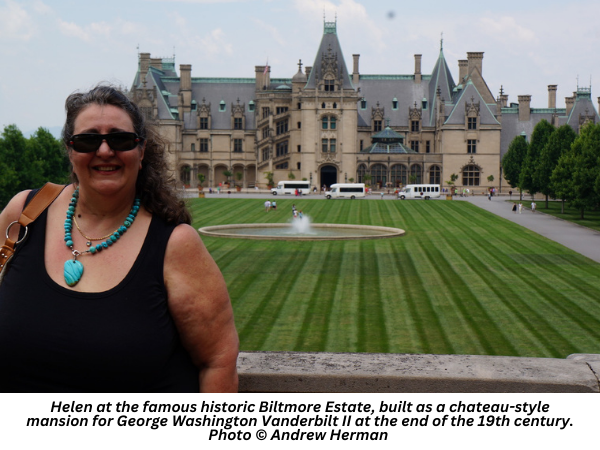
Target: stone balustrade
<point>296,372</point>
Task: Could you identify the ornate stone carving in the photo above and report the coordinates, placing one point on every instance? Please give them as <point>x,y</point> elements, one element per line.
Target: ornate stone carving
<point>415,113</point>
<point>378,112</point>
<point>204,109</point>
<point>238,109</point>
<point>472,109</point>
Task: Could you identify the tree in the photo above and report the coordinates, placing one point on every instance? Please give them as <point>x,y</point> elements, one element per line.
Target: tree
<point>539,138</point>
<point>53,154</point>
<point>269,177</point>
<point>577,171</point>
<point>29,163</point>
<point>558,144</point>
<point>450,183</point>
<point>512,162</point>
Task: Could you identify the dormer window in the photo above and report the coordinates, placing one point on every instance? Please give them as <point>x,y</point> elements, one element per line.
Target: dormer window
<point>395,104</point>
<point>424,103</point>
<point>472,123</point>
<point>414,126</point>
<point>222,106</point>
<point>363,104</point>
<point>251,106</point>
<point>329,85</point>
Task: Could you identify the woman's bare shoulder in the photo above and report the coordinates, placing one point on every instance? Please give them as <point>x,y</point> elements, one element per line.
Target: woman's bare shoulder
<point>12,211</point>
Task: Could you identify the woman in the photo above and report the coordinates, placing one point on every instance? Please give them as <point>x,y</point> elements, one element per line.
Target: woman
<point>122,296</point>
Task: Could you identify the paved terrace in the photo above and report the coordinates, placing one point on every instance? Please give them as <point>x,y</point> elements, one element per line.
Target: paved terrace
<point>296,372</point>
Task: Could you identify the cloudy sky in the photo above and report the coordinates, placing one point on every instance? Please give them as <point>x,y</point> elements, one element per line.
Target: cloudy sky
<point>51,48</point>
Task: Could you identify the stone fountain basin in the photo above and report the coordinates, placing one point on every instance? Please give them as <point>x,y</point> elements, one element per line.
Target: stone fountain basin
<point>285,232</point>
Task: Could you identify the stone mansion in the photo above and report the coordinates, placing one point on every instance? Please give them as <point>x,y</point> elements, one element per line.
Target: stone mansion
<point>326,124</point>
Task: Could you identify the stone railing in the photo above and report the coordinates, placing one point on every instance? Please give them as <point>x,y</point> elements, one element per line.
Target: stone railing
<point>376,372</point>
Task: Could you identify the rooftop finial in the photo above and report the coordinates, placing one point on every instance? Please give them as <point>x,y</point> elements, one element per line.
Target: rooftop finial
<point>442,41</point>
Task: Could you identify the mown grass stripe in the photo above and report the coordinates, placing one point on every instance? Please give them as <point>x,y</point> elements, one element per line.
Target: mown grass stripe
<point>543,297</point>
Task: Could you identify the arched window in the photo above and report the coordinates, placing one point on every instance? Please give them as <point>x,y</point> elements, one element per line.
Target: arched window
<point>435,175</point>
<point>399,175</point>
<point>415,174</point>
<point>360,173</point>
<point>378,174</point>
<point>470,175</point>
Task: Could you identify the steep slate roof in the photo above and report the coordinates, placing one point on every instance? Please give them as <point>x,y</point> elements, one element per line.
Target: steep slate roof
<point>214,91</point>
<point>329,45</point>
<point>442,78</point>
<point>583,106</point>
<point>383,89</point>
<point>466,95</point>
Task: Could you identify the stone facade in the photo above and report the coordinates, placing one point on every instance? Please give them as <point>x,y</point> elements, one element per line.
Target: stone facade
<point>319,124</point>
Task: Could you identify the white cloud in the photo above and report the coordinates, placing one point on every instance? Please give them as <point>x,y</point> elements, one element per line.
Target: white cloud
<point>197,1</point>
<point>41,8</point>
<point>507,30</point>
<point>15,23</point>
<point>100,32</point>
<point>272,30</point>
<point>214,43</point>
<point>73,30</point>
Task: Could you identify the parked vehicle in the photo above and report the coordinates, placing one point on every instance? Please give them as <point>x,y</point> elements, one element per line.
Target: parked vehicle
<point>346,190</point>
<point>290,187</point>
<point>425,191</point>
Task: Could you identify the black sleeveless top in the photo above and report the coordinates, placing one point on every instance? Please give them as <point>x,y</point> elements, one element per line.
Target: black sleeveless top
<point>53,339</point>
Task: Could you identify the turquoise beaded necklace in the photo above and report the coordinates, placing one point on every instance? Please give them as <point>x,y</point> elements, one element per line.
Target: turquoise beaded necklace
<point>73,269</point>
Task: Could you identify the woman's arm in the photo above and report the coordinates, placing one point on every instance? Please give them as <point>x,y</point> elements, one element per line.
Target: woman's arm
<point>200,305</point>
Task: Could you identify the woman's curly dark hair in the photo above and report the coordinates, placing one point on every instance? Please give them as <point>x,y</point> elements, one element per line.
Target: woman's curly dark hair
<point>154,186</point>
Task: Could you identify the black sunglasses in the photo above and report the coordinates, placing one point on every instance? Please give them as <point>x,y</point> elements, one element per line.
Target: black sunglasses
<point>91,142</point>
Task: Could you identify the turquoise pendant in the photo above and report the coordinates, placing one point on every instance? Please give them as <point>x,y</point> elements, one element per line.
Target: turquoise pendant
<point>73,272</point>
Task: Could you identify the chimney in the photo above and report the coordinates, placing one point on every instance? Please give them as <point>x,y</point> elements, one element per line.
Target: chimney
<point>144,64</point>
<point>355,72</point>
<point>569,102</point>
<point>463,69</point>
<point>418,76</point>
<point>524,108</point>
<point>308,70</point>
<point>156,63</point>
<point>186,77</point>
<point>552,96</point>
<point>475,60</point>
<point>185,89</point>
<point>259,72</point>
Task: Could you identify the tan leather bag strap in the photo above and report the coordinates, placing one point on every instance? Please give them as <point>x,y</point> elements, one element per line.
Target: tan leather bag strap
<point>41,200</point>
<point>44,197</point>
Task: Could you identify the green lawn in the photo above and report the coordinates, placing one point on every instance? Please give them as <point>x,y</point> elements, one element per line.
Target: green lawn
<point>461,281</point>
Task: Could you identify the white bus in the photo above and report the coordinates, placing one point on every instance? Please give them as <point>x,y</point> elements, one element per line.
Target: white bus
<point>346,190</point>
<point>289,187</point>
<point>425,191</point>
